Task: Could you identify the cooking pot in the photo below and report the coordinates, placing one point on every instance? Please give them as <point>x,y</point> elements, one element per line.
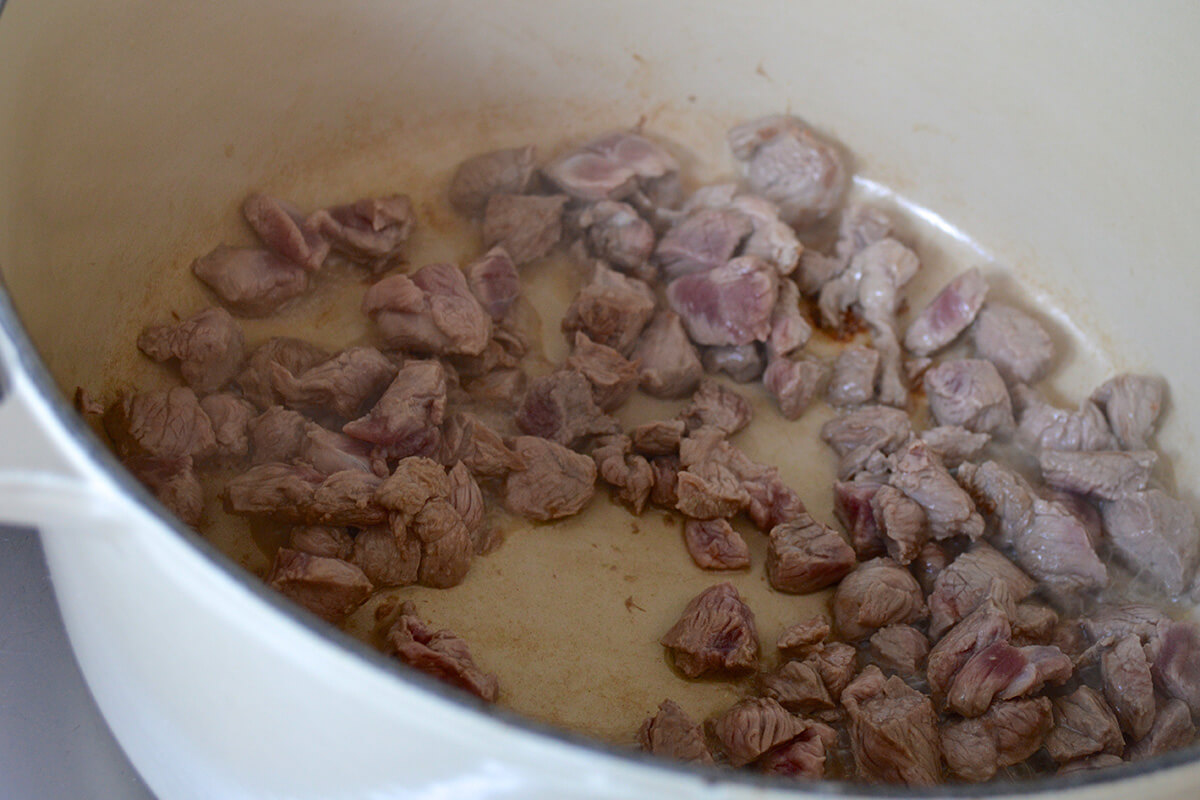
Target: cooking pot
<point>1059,138</point>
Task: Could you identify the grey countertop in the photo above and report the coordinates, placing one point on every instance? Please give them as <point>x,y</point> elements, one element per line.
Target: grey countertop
<point>53,742</point>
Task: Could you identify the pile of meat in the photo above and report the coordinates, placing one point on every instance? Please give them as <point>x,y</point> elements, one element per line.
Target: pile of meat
<point>972,626</point>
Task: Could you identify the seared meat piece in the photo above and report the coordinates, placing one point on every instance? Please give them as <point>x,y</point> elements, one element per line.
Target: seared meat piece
<point>612,376</point>
<point>294,355</point>
<point>715,634</point>
<point>954,445</point>
<point>415,482</point>
<point>251,281</point>
<point>1128,685</point>
<point>743,363</point>
<point>1156,535</point>
<point>1041,426</point>
<point>719,480</point>
<point>803,556</point>
<point>948,509</point>
<point>852,506</point>
<point>617,235</point>
<point>673,734</point>
<point>1007,734</point>
<point>928,564</point>
<point>343,498</point>
<point>1013,341</point>
<point>331,452</point>
<point>446,544</point>
<point>878,593</point>
<point>794,384</point>
<point>559,407</point>
<point>526,226</point>
<point>229,415</point>
<point>1003,672</point>
<point>432,311</point>
<point>797,686</point>
<point>1083,725</point>
<point>862,433</point>
<point>708,489</point>
<point>893,731</point>
<point>328,587</point>
<point>714,544</point>
<point>387,558</point>
<point>610,167</point>
<point>277,435</point>
<point>405,420</point>
<point>837,662</point>
<point>1079,507</point>
<point>440,654</point>
<point>611,309</point>
<point>669,364</point>
<point>1104,474</point>
<point>715,406</point>
<point>370,232</point>
<point>298,494</point>
<point>321,540</point>
<point>900,648</point>
<point>1033,623</point>
<point>283,229</point>
<point>948,313</point>
<point>1172,729</point>
<point>788,164</point>
<point>173,481</point>
<point>753,727</point>
<point>494,281</point>
<point>666,480</point>
<point>703,240</point>
<point>499,389</point>
<point>1132,404</point>
<point>772,238</point>
<point>624,470</point>
<point>804,637</point>
<point>343,386</point>
<point>475,180</point>
<point>860,227</point>
<point>969,392</point>
<point>790,331</point>
<point>1176,666</point>
<point>802,757</point>
<point>165,423</point>
<point>554,482</point>
<point>729,305</point>
<point>990,622</point>
<point>901,523</point>
<point>853,381</point>
<point>659,438</point>
<point>209,346</point>
<point>467,499</point>
<point>967,582</point>
<point>1116,622</point>
<point>467,438</point>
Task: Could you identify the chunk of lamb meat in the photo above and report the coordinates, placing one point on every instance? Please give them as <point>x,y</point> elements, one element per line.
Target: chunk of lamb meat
<point>1003,672</point>
<point>1041,426</point>
<point>629,473</point>
<point>173,481</point>
<point>729,305</point>
<point>559,407</point>
<point>467,499</point>
<point>555,482</point>
<point>277,435</point>
<point>967,582</point>
<point>863,433</point>
<point>901,523</point>
<point>893,730</point>
<point>1007,734</point>
<point>797,686</point>
<point>209,347</point>
<point>990,622</point>
<point>1013,341</point>
<point>441,654</point>
<point>751,728</point>
<point>446,544</point>
<point>617,235</point>
<point>953,445</point>
<point>370,232</point>
<point>526,226</point>
<point>612,166</point>
<point>928,564</point>
<point>612,309</point>
<point>878,593</point>
<point>715,634</point>
<point>666,481</point>
<point>900,649</point>
<point>294,355</point>
<point>432,311</point>
<point>405,419</point>
<point>1128,685</point>
<point>164,423</point>
<point>1114,622</point>
<point>328,587</point>
<point>715,406</point>
<point>852,506</point>
<point>970,393</point>
<point>853,379</point>
<point>714,544</point>
<point>804,756</point>
<point>342,386</point>
<point>1176,666</point>
<point>795,383</point>
<point>612,376</point>
<point>742,363</point>
<point>790,331</point>
<point>701,241</point>
<point>1083,725</point>
<point>719,479</point>
<point>673,734</point>
<point>859,227</point>
<point>1103,474</point>
<point>1156,535</point>
<point>282,228</point>
<point>770,238</point>
<point>500,389</point>
<point>804,556</point>
<point>804,637</point>
<point>507,171</point>
<point>788,164</point>
<point>494,281</point>
<point>386,558</point>
<point>669,366</point>
<point>948,313</point>
<point>659,438</point>
<point>1172,729</point>
<point>298,494</point>
<point>229,415</point>
<point>1035,623</point>
<point>321,540</point>
<point>251,281</point>
<point>330,452</point>
<point>948,509</point>
<point>1132,404</point>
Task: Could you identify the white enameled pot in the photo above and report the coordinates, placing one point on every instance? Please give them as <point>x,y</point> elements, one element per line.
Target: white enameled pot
<point>1061,137</point>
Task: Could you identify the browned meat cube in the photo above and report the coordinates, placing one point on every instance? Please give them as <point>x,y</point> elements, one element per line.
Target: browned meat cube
<point>526,226</point>
<point>293,355</point>
<point>209,347</point>
<point>629,473</point>
<point>1132,404</point>
<point>613,377</point>
<point>967,581</point>
<point>703,240</point>
<point>432,311</point>
<point>343,385</point>
<point>948,313</point>
<point>554,483</point>
<point>441,654</point>
<point>322,540</point>
<point>251,281</point>
<point>611,167</point>
<point>230,415</point>
<point>879,592</point>
<point>658,438</point>
<point>282,228</point>
<point>969,392</point>
<point>560,407</point>
<point>494,281</point>
<point>1103,474</point>
<point>669,365</point>
<point>804,637</point>
<point>611,309</point>
<point>893,731</point>
<point>328,587</point>
<point>715,406</point>
<point>753,727</point>
<point>165,423</point>
<point>673,734</point>
<point>1083,725</point>
<point>804,556</point>
<point>794,384</point>
<point>729,305</point>
<point>278,435</point>
<point>385,558</point>
<point>475,180</point>
<point>405,420</point>
<point>1007,734</point>
<point>617,235</point>
<point>715,634</point>
<point>1013,341</point>
<point>370,232</point>
<point>853,380</point>
<point>899,648</point>
<point>714,544</point>
<point>1155,534</point>
<point>1129,686</point>
<point>468,439</point>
